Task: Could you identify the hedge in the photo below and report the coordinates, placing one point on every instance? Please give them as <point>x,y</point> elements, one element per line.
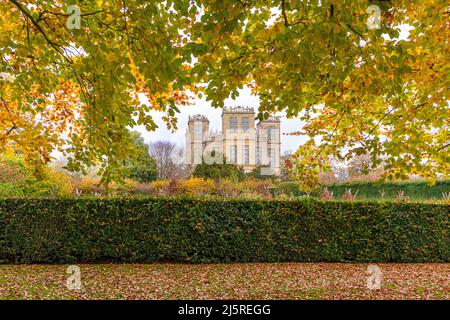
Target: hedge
<point>414,190</point>
<point>288,188</point>
<point>208,230</point>
<point>419,190</point>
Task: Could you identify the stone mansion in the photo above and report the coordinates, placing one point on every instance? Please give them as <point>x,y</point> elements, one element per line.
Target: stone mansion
<point>240,141</point>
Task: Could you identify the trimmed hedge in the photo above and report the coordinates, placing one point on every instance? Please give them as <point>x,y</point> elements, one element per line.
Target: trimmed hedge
<point>415,190</point>
<point>288,188</point>
<point>207,230</point>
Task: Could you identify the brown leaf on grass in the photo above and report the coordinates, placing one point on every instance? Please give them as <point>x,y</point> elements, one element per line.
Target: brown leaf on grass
<point>227,281</point>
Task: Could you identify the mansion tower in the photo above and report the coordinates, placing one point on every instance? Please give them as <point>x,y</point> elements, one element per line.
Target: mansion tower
<point>240,141</point>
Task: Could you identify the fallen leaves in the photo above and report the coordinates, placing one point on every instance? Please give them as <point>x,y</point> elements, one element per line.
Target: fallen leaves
<point>226,281</point>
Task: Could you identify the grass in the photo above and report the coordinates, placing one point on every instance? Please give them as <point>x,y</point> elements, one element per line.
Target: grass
<point>226,281</point>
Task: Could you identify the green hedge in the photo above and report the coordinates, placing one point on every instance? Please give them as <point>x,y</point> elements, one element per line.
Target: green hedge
<point>206,230</point>
<point>420,190</point>
<point>372,190</point>
<point>288,188</point>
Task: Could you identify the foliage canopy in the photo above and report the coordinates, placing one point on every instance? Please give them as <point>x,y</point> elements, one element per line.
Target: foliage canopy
<point>358,91</point>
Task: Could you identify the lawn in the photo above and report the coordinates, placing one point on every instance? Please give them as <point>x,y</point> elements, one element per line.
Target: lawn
<point>227,281</point>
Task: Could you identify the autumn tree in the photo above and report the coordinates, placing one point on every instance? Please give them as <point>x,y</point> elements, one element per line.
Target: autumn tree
<point>77,90</point>
<point>140,165</point>
<point>358,89</point>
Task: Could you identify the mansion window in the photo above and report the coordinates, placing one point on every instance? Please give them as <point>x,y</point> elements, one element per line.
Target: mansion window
<point>258,155</point>
<point>246,153</point>
<point>271,154</point>
<point>270,132</point>
<point>233,153</point>
<point>233,122</point>
<point>244,123</point>
<point>198,132</point>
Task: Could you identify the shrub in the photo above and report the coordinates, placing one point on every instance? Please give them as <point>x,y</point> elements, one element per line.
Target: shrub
<point>401,195</point>
<point>446,196</point>
<point>13,170</point>
<point>16,180</point>
<point>89,186</point>
<point>197,186</point>
<point>56,184</point>
<point>227,188</point>
<point>256,173</point>
<point>418,190</point>
<point>10,190</point>
<point>288,188</point>
<point>219,171</point>
<point>327,194</point>
<point>160,187</point>
<point>141,188</point>
<point>212,230</point>
<point>248,188</point>
<point>139,165</point>
<point>256,186</point>
<point>173,187</point>
<point>142,172</point>
<point>349,196</point>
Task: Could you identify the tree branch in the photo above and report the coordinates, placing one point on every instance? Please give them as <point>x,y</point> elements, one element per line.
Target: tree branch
<point>14,127</point>
<point>36,24</point>
<point>354,31</point>
<point>68,15</point>
<point>443,147</point>
<point>283,12</point>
